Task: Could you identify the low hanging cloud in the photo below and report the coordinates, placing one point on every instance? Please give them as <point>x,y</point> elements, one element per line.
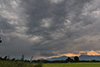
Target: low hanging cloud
<point>44,28</point>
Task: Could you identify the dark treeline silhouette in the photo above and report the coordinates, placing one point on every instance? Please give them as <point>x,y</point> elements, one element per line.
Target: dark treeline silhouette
<point>0,40</point>
<point>68,60</point>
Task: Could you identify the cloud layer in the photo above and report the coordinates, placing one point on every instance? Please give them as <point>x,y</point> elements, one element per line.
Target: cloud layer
<point>44,28</point>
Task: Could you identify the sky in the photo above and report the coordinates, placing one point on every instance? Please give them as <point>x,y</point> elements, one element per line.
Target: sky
<point>49,28</point>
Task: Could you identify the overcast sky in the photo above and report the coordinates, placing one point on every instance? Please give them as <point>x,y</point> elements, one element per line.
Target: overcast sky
<point>44,28</point>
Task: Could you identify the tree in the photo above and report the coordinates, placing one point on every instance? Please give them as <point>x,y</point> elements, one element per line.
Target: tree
<point>76,59</point>
<point>69,59</point>
<point>13,59</point>
<point>31,58</point>
<point>5,58</point>
<point>8,57</point>
<point>0,40</point>
<point>1,58</point>
<point>22,58</point>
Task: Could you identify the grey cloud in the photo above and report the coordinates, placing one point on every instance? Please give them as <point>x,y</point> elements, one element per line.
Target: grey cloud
<point>41,11</point>
<point>47,54</point>
<point>59,25</point>
<point>3,24</point>
<point>59,12</point>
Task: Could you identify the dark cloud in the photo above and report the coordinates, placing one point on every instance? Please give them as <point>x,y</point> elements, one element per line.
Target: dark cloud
<point>5,26</point>
<point>48,27</point>
<point>42,10</point>
<point>47,54</point>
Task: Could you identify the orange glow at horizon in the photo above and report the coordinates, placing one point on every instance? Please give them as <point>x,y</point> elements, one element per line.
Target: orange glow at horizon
<point>92,52</point>
<point>71,54</point>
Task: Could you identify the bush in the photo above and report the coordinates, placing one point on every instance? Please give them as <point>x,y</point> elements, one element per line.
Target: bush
<point>7,63</point>
<point>38,65</point>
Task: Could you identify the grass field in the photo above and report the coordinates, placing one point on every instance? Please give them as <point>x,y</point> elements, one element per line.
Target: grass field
<point>71,65</point>
<point>19,64</point>
<point>28,64</point>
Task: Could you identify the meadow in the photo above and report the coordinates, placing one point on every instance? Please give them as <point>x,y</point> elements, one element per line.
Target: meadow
<point>31,64</point>
<point>72,64</point>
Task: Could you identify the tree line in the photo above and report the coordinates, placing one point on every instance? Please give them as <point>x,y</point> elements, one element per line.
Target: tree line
<point>67,60</point>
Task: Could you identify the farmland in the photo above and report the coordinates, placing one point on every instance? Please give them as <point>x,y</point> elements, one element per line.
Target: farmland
<point>31,64</point>
<point>71,65</point>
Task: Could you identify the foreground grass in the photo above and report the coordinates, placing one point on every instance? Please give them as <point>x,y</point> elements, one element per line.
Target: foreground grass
<point>71,65</point>
<point>19,64</point>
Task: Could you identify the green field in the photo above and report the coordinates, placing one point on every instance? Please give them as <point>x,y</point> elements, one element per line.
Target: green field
<point>31,64</point>
<point>71,65</point>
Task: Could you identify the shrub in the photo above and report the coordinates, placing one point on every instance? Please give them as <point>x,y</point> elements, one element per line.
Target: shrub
<point>38,65</point>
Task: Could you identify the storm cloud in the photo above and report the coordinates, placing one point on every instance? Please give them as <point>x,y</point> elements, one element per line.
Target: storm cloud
<point>44,28</point>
